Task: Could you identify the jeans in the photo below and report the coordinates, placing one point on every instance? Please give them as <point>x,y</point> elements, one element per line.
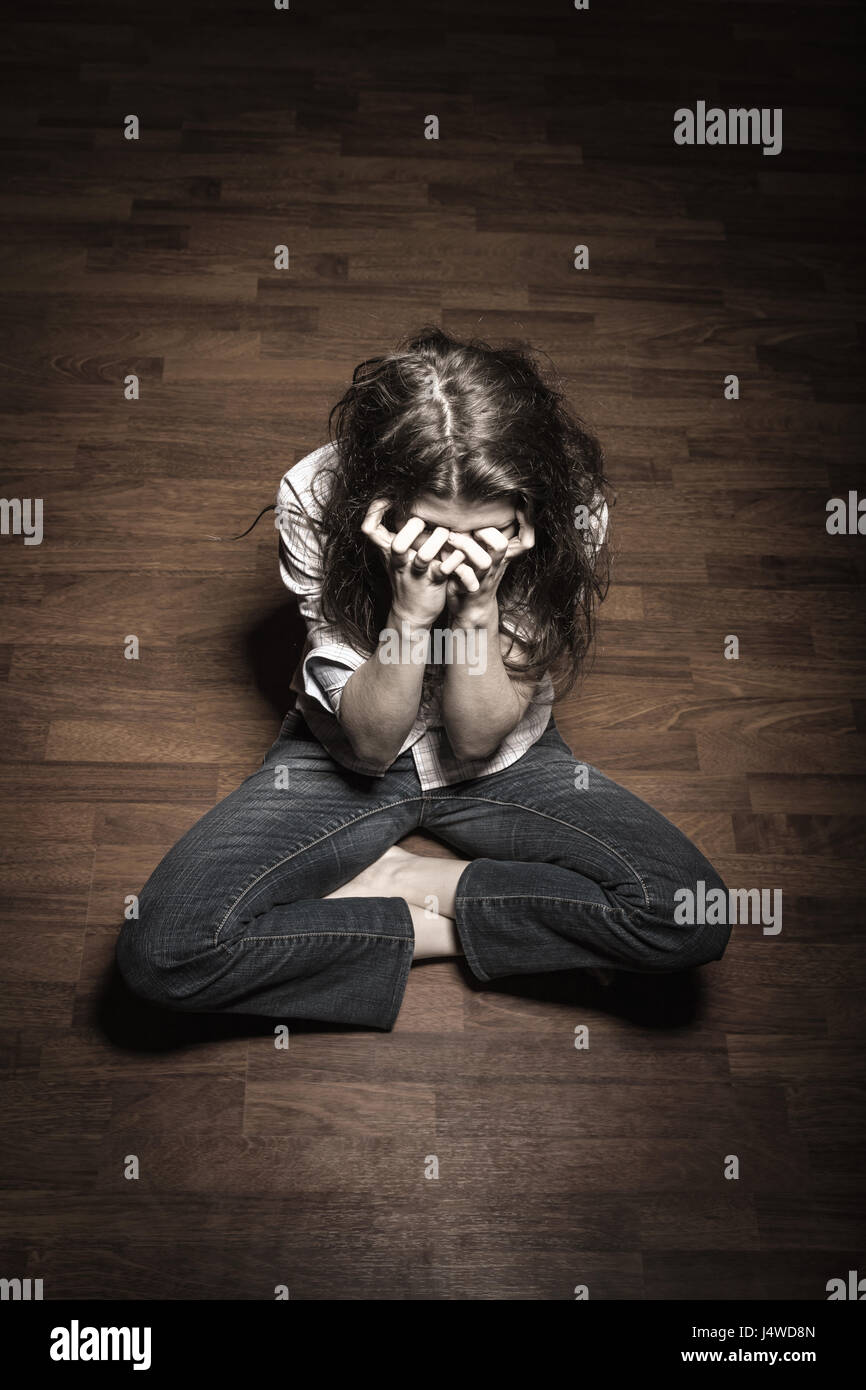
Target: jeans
<point>562,875</point>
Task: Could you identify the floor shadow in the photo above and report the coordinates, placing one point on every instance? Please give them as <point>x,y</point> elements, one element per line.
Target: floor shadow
<point>652,1001</point>
<point>647,1000</point>
<point>272,650</point>
<point>137,1026</point>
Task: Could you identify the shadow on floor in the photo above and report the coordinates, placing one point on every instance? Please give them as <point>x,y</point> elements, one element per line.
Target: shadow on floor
<point>272,650</point>
<point>651,1001</point>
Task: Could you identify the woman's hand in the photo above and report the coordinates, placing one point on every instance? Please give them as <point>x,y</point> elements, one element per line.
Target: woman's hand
<point>472,606</point>
<point>418,577</point>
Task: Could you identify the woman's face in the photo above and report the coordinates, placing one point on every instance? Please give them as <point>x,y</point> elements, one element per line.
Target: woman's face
<point>457,514</point>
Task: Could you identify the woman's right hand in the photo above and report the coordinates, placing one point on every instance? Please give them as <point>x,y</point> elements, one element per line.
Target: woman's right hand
<point>418,577</point>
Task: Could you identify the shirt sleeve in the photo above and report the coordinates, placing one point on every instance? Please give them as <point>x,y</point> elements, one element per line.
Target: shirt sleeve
<point>329,660</point>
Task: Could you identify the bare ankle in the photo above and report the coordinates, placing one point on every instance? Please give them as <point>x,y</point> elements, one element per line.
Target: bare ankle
<point>435,936</point>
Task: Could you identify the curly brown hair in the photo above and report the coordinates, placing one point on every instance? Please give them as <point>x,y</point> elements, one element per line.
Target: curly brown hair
<point>464,419</point>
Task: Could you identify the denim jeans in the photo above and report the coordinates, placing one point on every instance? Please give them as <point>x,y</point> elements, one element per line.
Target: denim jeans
<point>561,875</point>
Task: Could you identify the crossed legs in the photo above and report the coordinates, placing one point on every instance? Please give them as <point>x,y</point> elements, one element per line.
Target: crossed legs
<point>242,914</point>
<point>428,885</point>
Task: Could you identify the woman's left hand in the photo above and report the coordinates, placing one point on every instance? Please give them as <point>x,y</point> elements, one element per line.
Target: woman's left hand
<point>471,607</point>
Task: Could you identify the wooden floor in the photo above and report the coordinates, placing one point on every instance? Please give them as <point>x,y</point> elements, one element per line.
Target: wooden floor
<point>558,1167</point>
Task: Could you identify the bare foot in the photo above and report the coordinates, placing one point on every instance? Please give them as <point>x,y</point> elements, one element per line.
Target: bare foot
<point>427,881</point>
<point>435,936</point>
<point>395,875</point>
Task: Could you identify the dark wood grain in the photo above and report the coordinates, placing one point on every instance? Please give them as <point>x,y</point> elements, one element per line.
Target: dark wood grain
<point>558,1167</point>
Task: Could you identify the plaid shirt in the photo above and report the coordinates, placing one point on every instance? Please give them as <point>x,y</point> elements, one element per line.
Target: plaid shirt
<point>328,660</point>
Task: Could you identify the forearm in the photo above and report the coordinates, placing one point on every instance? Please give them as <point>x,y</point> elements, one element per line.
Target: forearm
<point>380,700</point>
<point>480,704</point>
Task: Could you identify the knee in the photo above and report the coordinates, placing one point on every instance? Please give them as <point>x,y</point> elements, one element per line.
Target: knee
<point>142,966</point>
<point>133,961</point>
<point>686,926</point>
<point>697,919</point>
<point>704,943</point>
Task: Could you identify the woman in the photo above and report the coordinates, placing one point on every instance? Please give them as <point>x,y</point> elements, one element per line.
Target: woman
<point>447,553</point>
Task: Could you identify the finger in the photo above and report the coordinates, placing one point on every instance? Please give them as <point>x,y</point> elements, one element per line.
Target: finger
<point>401,560</point>
<point>437,573</point>
<point>372,523</point>
<point>468,578</point>
<point>375,512</point>
<point>525,539</point>
<point>493,539</point>
<point>432,546</point>
<point>454,559</point>
<point>474,553</point>
<point>404,537</point>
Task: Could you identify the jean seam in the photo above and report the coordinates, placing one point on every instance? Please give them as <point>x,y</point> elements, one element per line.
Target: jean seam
<point>463,899</point>
<point>536,898</point>
<point>285,859</point>
<point>318,935</point>
<point>401,973</point>
<point>495,801</point>
<point>472,959</point>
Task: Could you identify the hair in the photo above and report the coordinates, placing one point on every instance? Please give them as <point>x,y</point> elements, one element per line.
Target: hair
<point>464,419</point>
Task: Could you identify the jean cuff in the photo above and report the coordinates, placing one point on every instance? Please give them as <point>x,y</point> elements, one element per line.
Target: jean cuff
<point>463,903</point>
<point>402,967</point>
